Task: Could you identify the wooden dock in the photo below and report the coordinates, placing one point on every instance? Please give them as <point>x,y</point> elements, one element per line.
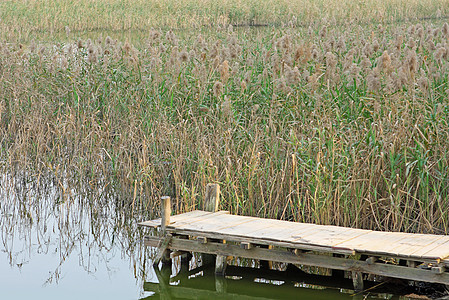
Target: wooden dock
<point>416,257</point>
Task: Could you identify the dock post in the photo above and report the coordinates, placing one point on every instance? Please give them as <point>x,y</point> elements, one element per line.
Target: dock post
<point>212,197</point>
<point>211,203</point>
<point>220,265</point>
<point>163,253</point>
<point>266,264</point>
<point>357,280</point>
<point>166,211</point>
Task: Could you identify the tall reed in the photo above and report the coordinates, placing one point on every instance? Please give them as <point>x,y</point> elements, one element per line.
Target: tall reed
<point>337,125</point>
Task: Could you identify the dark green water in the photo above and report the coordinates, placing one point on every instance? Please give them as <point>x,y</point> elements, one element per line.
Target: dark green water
<point>56,244</point>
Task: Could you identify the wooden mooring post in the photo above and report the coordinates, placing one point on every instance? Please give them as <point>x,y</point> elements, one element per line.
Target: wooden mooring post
<point>218,235</point>
<point>163,253</point>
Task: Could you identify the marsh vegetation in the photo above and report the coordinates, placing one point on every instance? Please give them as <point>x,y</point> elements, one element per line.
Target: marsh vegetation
<point>331,113</point>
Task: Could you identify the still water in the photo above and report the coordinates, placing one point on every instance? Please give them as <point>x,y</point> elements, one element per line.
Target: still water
<point>57,244</point>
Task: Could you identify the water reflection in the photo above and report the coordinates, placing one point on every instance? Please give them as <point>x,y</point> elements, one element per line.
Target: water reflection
<point>252,283</point>
<point>57,237</point>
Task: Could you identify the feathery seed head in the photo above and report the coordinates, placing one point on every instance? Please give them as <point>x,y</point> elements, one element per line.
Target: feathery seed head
<point>445,30</point>
<point>224,71</point>
<point>243,85</point>
<point>375,45</point>
<point>126,47</point>
<point>323,31</point>
<point>365,64</point>
<point>440,54</point>
<point>412,61</point>
<point>226,107</point>
<point>218,89</point>
<point>423,84</point>
<point>184,56</point>
<point>341,44</point>
<point>108,41</point>
<point>293,76</point>
<point>373,81</point>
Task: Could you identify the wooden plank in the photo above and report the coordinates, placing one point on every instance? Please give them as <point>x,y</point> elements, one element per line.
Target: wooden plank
<point>276,233</point>
<point>246,229</point>
<point>217,235</point>
<point>438,249</point>
<point>152,223</point>
<point>239,226</point>
<point>288,231</point>
<point>216,222</point>
<point>389,243</point>
<point>419,253</point>
<point>207,217</point>
<point>309,260</point>
<point>411,243</point>
<point>175,218</point>
<point>327,236</point>
<point>372,242</point>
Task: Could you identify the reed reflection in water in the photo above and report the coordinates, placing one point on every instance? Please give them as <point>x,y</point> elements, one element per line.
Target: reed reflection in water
<point>249,283</point>
<point>58,239</point>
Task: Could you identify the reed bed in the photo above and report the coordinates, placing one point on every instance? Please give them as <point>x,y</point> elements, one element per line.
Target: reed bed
<point>330,124</point>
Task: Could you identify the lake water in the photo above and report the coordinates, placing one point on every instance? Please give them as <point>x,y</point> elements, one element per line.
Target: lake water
<point>58,245</point>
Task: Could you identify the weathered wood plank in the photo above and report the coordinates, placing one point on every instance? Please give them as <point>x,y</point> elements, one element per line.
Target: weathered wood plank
<point>217,235</point>
<point>439,249</point>
<point>209,216</point>
<point>277,231</point>
<point>246,229</point>
<point>419,253</point>
<point>325,236</point>
<point>410,244</point>
<point>307,259</point>
<point>177,218</point>
<point>372,242</point>
<point>216,222</point>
